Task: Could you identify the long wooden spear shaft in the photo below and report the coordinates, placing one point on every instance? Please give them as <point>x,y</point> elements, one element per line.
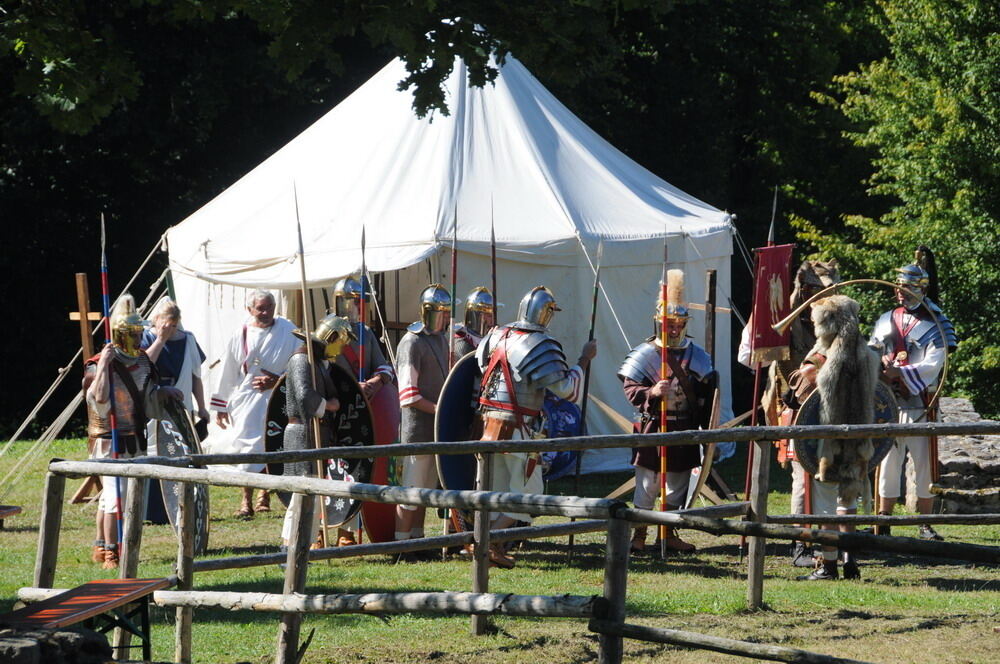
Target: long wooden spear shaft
<point>112,413</point>
<point>362,310</point>
<point>663,398</point>
<point>586,375</point>
<point>493,266</point>
<point>454,288</point>
<point>748,481</point>
<point>307,329</point>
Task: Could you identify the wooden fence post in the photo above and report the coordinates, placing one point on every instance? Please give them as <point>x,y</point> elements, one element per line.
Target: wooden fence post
<point>48,531</point>
<point>135,510</point>
<point>481,558</point>
<point>185,573</point>
<point>615,586</point>
<point>296,566</point>
<point>761,473</point>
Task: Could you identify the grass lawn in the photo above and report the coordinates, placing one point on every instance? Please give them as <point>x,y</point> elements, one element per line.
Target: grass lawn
<point>903,610</point>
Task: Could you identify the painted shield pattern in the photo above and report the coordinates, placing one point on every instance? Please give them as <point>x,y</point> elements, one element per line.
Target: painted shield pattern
<point>352,425</point>
<point>175,437</point>
<point>886,410</point>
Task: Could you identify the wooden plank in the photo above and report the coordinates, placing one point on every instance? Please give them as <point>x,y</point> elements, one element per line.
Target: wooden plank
<point>297,564</point>
<point>9,510</point>
<point>83,602</point>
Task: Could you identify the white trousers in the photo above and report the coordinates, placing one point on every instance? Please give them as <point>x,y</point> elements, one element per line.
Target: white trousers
<point>508,475</point>
<point>920,456</point>
<point>647,487</point>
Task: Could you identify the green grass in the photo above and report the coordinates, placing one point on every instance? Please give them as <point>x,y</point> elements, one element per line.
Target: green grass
<point>904,609</point>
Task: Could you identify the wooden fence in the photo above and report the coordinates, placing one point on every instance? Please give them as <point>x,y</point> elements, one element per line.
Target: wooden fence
<point>606,614</point>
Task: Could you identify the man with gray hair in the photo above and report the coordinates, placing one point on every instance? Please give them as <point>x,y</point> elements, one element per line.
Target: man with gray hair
<point>252,362</point>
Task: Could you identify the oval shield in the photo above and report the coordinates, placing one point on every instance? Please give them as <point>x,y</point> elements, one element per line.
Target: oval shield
<point>886,410</point>
<point>352,425</point>
<point>457,419</point>
<point>175,436</point>
<point>379,519</point>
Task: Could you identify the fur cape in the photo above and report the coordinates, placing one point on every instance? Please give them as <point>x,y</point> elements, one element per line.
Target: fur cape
<point>846,385</point>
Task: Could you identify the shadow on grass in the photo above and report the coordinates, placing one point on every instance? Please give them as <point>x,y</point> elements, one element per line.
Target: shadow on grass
<point>964,584</point>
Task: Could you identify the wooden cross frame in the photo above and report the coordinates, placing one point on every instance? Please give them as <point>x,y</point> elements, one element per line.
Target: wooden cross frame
<point>92,485</point>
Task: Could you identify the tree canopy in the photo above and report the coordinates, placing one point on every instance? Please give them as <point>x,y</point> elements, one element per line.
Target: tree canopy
<point>148,109</point>
<point>930,112</point>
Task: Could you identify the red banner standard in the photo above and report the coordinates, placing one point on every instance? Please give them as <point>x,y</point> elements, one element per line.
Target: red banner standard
<point>770,303</point>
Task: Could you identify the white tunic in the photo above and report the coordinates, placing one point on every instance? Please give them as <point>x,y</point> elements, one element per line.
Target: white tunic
<point>249,353</point>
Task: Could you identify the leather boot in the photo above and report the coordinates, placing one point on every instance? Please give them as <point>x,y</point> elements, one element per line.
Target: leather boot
<point>826,570</point>
<point>638,544</point>
<point>802,555</point>
<point>263,503</point>
<point>110,557</point>
<point>97,552</point>
<point>500,559</point>
<point>851,570</point>
<point>675,543</point>
<point>345,538</point>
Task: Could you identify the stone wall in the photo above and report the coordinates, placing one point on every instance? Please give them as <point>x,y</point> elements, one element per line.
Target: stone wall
<point>970,465</point>
<point>63,646</point>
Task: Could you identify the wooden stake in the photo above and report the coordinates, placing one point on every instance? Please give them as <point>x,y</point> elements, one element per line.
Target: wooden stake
<point>297,564</point>
<point>758,513</point>
<point>185,573</point>
<point>481,559</point>
<point>135,511</point>
<point>615,586</point>
<point>48,530</point>
<point>83,306</point>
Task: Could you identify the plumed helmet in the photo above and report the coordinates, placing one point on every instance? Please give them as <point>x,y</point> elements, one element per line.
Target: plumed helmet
<point>126,326</point>
<point>435,308</point>
<point>676,307</point>
<point>536,309</point>
<point>913,276</point>
<point>480,310</point>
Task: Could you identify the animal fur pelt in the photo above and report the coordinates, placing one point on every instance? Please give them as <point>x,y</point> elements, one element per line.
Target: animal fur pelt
<point>846,385</point>
<point>818,274</point>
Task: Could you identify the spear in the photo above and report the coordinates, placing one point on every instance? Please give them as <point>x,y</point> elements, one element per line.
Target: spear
<point>493,265</point>
<point>748,481</point>
<point>663,399</point>
<point>112,413</point>
<point>361,310</point>
<point>586,374</point>
<point>454,287</point>
<point>307,329</point>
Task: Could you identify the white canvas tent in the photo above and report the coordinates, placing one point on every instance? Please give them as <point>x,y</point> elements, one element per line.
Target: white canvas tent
<point>509,153</point>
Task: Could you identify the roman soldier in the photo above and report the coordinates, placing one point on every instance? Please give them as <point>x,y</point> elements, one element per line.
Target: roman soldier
<point>781,399</point>
<point>310,393</point>
<point>377,371</point>
<point>422,363</point>
<point>136,396</point>
<point>913,350</point>
<point>519,362</point>
<point>480,318</point>
<point>687,388</point>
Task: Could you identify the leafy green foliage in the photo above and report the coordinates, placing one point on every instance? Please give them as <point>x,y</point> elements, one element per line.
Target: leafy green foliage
<point>930,112</point>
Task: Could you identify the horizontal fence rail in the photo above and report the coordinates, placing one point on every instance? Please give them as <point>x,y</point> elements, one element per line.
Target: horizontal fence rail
<point>715,643</point>
<point>848,541</point>
<point>886,519</point>
<point>571,506</point>
<point>448,603</point>
<point>669,439</point>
